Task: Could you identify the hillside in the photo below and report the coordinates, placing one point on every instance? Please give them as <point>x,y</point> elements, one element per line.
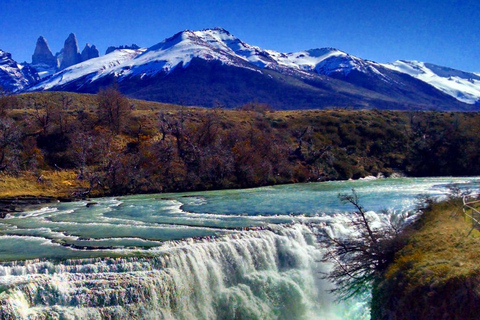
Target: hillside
<point>72,145</point>
<point>436,275</point>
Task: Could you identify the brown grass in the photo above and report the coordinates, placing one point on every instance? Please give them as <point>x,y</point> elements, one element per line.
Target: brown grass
<point>440,249</point>
<point>56,184</point>
<point>437,275</point>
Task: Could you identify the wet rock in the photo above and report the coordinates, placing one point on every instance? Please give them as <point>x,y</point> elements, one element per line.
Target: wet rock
<point>18,204</point>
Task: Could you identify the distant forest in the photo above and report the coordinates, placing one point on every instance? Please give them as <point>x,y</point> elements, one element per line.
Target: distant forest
<point>120,146</point>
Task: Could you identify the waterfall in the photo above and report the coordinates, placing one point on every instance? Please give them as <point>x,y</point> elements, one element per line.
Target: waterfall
<point>229,254</point>
<point>261,274</point>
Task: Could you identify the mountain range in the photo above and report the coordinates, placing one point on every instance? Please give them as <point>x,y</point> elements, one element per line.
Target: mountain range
<point>212,67</point>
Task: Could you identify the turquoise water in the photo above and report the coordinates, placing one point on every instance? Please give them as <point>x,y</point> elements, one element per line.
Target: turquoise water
<point>250,253</point>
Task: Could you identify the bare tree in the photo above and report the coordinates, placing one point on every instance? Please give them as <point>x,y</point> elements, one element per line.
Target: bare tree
<point>360,258</point>
<point>62,113</point>
<point>9,140</point>
<point>113,108</point>
<point>82,146</point>
<point>4,102</point>
<point>43,115</point>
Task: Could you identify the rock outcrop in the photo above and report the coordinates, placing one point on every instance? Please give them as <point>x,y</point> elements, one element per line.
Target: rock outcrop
<point>90,52</point>
<point>47,64</point>
<point>42,54</point>
<point>71,54</point>
<point>113,48</point>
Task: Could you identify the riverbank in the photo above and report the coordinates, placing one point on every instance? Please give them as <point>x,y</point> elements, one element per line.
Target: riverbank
<point>27,189</point>
<point>18,192</point>
<point>436,275</point>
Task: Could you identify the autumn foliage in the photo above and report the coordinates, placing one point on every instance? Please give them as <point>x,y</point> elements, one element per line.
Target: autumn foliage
<point>121,146</point>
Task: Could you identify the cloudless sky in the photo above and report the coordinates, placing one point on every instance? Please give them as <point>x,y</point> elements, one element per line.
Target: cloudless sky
<point>444,32</point>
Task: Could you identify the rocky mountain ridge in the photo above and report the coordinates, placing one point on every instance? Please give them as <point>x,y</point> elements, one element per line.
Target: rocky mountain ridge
<point>178,68</point>
<point>15,77</point>
<point>44,60</point>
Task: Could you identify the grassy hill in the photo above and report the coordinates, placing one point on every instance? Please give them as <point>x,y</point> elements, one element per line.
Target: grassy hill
<point>436,275</point>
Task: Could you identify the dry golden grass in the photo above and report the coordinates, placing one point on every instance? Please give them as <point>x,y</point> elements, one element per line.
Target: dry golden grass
<point>437,275</point>
<point>56,184</point>
<point>440,250</point>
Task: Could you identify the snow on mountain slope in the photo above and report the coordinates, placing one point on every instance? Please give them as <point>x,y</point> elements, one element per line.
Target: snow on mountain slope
<point>43,70</point>
<point>323,61</point>
<point>163,57</point>
<point>13,76</point>
<point>93,68</point>
<point>461,85</point>
<point>220,39</point>
<point>179,49</point>
<point>326,61</point>
<point>211,44</point>
<point>219,45</point>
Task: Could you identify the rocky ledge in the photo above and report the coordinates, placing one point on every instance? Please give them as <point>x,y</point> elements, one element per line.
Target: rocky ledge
<point>18,204</point>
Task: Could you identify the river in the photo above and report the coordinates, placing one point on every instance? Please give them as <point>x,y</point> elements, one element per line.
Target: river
<point>230,254</point>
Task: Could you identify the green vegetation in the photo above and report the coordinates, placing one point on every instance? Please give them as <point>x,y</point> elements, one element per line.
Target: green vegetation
<point>107,145</point>
<point>436,275</point>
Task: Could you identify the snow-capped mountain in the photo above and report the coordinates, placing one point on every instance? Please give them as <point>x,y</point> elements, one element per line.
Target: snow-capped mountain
<point>461,85</point>
<point>212,66</point>
<point>88,71</point>
<point>13,76</point>
<point>209,45</point>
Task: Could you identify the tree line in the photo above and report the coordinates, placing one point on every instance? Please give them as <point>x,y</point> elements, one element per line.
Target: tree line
<point>122,146</point>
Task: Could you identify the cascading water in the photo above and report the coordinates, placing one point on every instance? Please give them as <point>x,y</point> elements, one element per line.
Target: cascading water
<point>265,274</point>
<point>237,254</point>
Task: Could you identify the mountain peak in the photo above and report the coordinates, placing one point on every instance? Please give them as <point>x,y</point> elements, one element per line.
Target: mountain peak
<point>72,37</point>
<point>71,53</point>
<point>133,46</point>
<point>43,54</point>
<point>13,76</point>
<point>218,29</point>
<point>89,52</point>
<point>4,56</point>
<point>464,86</point>
<point>41,41</point>
<point>318,52</point>
<point>206,30</point>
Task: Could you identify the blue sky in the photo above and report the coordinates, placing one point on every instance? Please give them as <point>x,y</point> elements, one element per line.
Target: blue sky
<point>445,32</point>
